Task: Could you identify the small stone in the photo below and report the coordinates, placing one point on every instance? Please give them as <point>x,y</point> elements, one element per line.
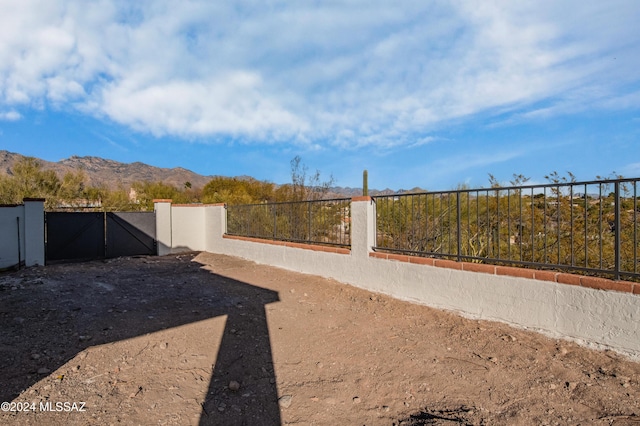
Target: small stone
<point>84,338</point>
<point>43,370</point>
<point>571,385</point>
<point>385,408</point>
<point>222,407</point>
<point>234,386</point>
<point>285,401</point>
<point>164,345</point>
<point>356,400</point>
<point>626,385</point>
<point>493,359</point>
<point>552,386</point>
<point>35,356</point>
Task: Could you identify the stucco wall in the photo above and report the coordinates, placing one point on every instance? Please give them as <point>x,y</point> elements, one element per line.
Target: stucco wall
<point>180,227</point>
<point>27,221</point>
<point>596,317</point>
<point>188,228</point>
<point>9,242</point>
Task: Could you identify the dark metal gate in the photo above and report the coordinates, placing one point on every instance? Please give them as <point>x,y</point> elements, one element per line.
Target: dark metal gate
<point>79,236</point>
<point>130,234</point>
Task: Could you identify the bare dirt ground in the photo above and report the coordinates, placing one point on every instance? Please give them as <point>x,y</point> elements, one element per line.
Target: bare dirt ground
<point>208,339</point>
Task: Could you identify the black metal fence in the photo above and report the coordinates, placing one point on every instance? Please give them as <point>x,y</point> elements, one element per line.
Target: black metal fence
<point>315,222</point>
<point>588,227</point>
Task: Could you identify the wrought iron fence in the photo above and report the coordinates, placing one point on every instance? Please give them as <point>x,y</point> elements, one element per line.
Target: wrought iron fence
<point>588,227</point>
<point>314,222</point>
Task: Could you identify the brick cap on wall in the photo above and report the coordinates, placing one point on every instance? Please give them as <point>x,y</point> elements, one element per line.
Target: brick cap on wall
<point>34,199</point>
<point>199,205</point>
<point>361,198</point>
<point>314,247</point>
<point>510,271</point>
<point>163,200</point>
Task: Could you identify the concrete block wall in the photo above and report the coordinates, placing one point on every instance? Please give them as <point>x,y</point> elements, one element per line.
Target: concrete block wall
<point>22,234</point>
<point>592,311</point>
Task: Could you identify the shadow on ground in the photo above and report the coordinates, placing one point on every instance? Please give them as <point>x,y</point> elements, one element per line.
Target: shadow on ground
<point>49,316</point>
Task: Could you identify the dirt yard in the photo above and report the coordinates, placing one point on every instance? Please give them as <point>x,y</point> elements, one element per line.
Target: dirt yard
<point>207,339</point>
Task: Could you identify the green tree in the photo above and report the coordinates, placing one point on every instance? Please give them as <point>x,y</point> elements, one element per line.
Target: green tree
<point>234,191</point>
<point>28,179</point>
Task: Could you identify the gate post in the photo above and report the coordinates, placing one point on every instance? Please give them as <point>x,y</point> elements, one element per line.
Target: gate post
<point>33,231</point>
<point>164,231</point>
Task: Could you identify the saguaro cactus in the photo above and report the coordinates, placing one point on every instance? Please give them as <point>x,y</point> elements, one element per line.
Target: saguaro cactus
<point>365,183</point>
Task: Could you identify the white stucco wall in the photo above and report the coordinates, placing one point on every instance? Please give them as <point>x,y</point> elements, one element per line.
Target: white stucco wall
<point>181,227</point>
<point>9,242</point>
<point>188,228</point>
<point>28,218</point>
<point>594,317</point>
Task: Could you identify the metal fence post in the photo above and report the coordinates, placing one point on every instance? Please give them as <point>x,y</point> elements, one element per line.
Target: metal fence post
<point>309,214</point>
<point>275,222</point>
<point>458,216</point>
<point>616,234</point>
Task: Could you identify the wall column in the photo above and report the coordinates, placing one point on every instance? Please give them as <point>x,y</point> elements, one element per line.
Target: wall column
<point>215,220</point>
<point>164,233</point>
<point>363,227</point>
<point>33,228</point>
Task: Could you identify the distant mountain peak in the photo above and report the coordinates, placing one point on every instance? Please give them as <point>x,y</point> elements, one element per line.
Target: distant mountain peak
<point>112,174</point>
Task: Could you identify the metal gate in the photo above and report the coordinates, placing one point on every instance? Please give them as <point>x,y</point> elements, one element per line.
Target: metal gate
<point>130,233</point>
<point>80,236</point>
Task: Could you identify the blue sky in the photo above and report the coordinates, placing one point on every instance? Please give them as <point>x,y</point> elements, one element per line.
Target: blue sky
<point>421,93</point>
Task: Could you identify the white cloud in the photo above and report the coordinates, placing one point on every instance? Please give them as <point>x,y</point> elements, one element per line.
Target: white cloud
<point>10,116</point>
<point>229,105</point>
<point>348,74</point>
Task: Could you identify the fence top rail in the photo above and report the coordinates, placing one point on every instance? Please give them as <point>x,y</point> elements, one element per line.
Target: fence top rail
<point>324,200</point>
<point>515,188</point>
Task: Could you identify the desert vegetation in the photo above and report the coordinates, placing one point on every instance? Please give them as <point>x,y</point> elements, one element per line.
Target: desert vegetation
<point>582,226</point>
<point>27,178</point>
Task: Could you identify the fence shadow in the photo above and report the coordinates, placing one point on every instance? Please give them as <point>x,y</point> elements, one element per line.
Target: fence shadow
<point>44,310</point>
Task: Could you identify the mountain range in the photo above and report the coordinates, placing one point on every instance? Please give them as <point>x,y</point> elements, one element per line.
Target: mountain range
<point>112,174</point>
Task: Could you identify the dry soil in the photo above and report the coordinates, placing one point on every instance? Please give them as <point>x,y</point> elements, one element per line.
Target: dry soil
<point>208,339</point>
